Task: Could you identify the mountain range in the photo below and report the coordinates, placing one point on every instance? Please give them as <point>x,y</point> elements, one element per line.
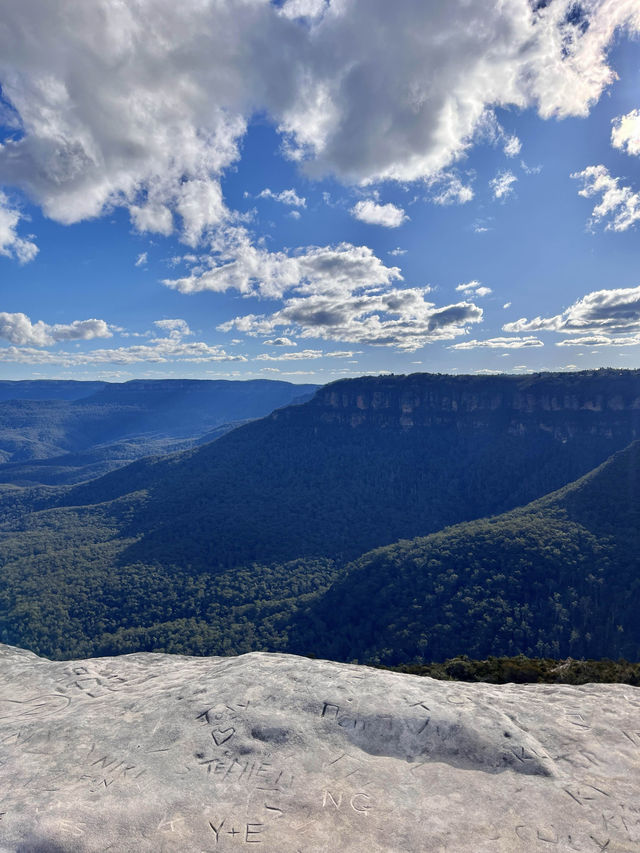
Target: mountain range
<point>60,432</point>
<point>297,532</point>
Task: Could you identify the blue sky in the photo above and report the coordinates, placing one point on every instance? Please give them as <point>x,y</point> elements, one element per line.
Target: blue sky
<point>302,191</point>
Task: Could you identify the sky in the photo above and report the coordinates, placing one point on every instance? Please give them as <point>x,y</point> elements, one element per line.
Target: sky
<point>312,189</point>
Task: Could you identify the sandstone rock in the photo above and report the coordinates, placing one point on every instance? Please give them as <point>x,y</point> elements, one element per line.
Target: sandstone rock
<point>152,752</point>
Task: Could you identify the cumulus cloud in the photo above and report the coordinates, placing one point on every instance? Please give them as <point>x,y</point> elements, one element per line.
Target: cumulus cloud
<point>602,311</point>
<point>159,351</point>
<point>199,202</point>
<point>303,8</point>
<point>11,244</point>
<point>280,342</point>
<point>502,184</point>
<point>176,328</point>
<point>475,56</point>
<point>297,355</point>
<point>474,289</point>
<point>152,216</point>
<point>143,105</point>
<point>500,343</point>
<point>600,341</point>
<point>289,197</point>
<point>625,133</point>
<point>343,293</point>
<point>115,107</point>
<point>239,265</point>
<point>27,337</point>
<point>400,318</point>
<point>18,329</point>
<point>619,207</point>
<point>387,215</point>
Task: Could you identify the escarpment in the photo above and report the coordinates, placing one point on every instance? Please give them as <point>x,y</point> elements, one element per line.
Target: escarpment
<point>605,402</point>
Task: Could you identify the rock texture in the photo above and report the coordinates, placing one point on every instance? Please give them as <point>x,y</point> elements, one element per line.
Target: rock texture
<point>596,402</point>
<point>270,752</point>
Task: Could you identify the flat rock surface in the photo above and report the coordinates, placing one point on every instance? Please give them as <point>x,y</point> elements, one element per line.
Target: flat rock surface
<point>151,752</point>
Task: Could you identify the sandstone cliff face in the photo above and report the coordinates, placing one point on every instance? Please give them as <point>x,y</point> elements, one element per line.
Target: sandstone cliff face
<point>596,402</point>
<point>173,754</point>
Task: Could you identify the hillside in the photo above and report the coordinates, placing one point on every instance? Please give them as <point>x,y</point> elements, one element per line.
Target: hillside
<point>218,549</point>
<point>559,577</point>
<point>59,432</point>
<point>367,462</point>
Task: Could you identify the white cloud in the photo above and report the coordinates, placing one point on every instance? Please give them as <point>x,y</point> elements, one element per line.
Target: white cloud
<point>303,8</point>
<point>372,82</point>
<point>280,342</point>
<point>11,245</point>
<point>619,204</point>
<point>507,305</point>
<point>115,107</point>
<point>144,105</point>
<point>80,330</point>
<point>387,215</point>
<point>297,355</point>
<point>502,184</point>
<point>530,170</point>
<point>474,289</point>
<point>625,133</point>
<point>141,260</point>
<point>151,217</point>
<point>395,253</point>
<point>27,336</point>
<point>500,343</point>
<point>601,311</point>
<point>600,341</point>
<point>512,146</point>
<point>176,328</point>
<point>18,329</point>
<point>400,318</point>
<point>199,202</point>
<point>289,197</point>
<point>452,191</point>
<point>342,293</point>
<point>490,131</point>
<point>239,265</point>
<point>159,351</point>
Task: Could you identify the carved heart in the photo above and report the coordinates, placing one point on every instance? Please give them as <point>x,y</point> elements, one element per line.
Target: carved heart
<point>221,736</point>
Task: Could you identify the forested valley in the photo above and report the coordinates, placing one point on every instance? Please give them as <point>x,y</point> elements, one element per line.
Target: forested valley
<point>393,520</point>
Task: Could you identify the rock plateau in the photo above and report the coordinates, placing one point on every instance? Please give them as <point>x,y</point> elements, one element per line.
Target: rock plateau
<point>152,752</point>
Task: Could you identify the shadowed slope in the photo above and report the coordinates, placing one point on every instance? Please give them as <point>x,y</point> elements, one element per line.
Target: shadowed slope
<point>219,548</point>
<point>559,577</point>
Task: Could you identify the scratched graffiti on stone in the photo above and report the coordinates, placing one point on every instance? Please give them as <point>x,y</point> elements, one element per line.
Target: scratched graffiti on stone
<point>162,753</point>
